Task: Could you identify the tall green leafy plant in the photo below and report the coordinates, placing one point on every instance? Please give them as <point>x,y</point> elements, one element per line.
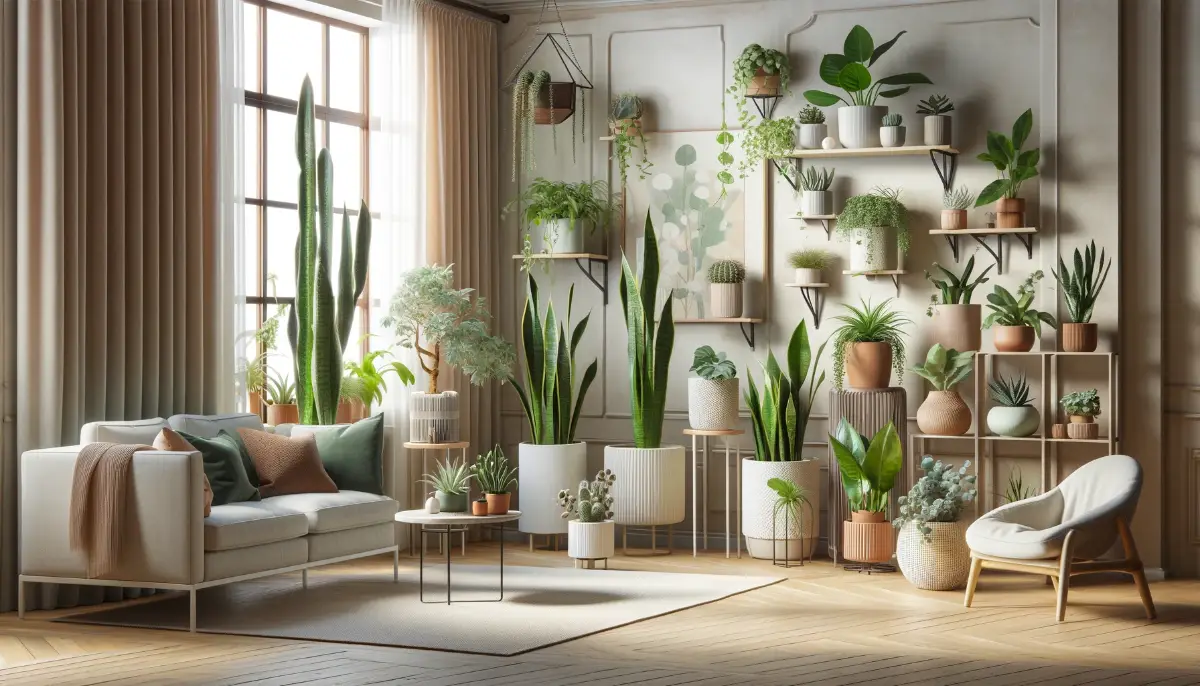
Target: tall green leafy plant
<point>649,348</point>
<point>318,324</point>
<point>1013,165</point>
<point>549,362</point>
<point>1017,310</point>
<point>849,72</point>
<point>779,414</point>
<point>1081,285</point>
<point>868,468</point>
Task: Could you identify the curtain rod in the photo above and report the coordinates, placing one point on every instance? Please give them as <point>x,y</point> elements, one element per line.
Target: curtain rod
<point>476,10</point>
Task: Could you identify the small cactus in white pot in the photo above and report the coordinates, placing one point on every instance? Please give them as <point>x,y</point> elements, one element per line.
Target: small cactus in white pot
<point>725,278</point>
<point>891,134</point>
<point>713,392</point>
<point>590,528</point>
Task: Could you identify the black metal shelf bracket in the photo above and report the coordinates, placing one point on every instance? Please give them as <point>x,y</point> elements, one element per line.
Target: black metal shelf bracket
<point>765,104</point>
<point>587,271</point>
<point>748,335</point>
<point>815,299</point>
<point>947,168</point>
<point>953,241</point>
<point>997,253</point>
<point>895,280</point>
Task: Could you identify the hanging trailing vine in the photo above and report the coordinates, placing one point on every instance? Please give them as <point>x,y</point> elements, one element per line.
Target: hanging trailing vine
<point>522,124</point>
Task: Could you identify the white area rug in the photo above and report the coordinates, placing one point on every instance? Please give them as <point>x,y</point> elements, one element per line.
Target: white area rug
<point>541,606</point>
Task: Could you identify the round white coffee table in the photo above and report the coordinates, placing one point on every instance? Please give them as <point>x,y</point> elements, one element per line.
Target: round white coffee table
<point>445,523</point>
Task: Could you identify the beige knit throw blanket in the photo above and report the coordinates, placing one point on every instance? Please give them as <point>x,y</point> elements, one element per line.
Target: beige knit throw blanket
<point>98,494</point>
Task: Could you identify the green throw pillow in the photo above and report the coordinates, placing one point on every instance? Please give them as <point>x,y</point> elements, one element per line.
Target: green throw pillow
<point>353,455</point>
<point>224,467</point>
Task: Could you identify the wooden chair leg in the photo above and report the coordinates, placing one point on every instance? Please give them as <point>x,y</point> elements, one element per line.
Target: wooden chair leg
<point>1052,580</point>
<point>1064,576</point>
<point>1135,568</point>
<point>976,566</point>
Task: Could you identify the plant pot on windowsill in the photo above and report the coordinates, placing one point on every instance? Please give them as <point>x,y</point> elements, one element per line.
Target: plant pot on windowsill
<point>868,537</point>
<point>1082,427</point>
<point>1079,337</point>
<point>1013,339</point>
<point>350,411</point>
<point>283,414</point>
<point>433,418</point>
<point>255,402</point>
<point>559,93</point>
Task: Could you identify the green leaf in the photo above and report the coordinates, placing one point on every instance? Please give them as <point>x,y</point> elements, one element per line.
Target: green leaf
<point>1021,128</point>
<point>1023,174</point>
<point>1029,158</point>
<point>853,478</point>
<point>992,192</point>
<point>725,158</point>
<point>685,156</point>
<point>998,147</point>
<point>725,177</point>
<point>894,93</point>
<point>822,99</point>
<point>880,50</point>
<point>859,45</point>
<point>799,354</point>
<point>831,67</point>
<point>854,77</point>
<point>724,138</point>
<point>906,79</point>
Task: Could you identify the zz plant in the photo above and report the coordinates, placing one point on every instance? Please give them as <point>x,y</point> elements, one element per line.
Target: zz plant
<point>1082,284</point>
<point>938,496</point>
<point>868,467</point>
<point>779,414</point>
<point>955,289</point>
<point>1018,310</point>
<point>1013,165</point>
<point>649,348</point>
<point>849,71</point>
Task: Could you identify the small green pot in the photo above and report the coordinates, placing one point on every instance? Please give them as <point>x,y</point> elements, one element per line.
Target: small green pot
<point>452,502</point>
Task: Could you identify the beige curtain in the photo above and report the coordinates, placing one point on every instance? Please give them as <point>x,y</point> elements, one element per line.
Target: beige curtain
<point>461,143</point>
<point>117,312</point>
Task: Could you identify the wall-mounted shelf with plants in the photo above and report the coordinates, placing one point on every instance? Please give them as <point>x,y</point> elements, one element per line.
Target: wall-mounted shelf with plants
<point>584,260</point>
<point>1024,234</point>
<point>944,157</point>
<point>746,324</point>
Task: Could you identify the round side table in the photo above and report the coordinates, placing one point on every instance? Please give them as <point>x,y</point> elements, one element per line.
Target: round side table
<point>447,523</point>
<point>415,492</point>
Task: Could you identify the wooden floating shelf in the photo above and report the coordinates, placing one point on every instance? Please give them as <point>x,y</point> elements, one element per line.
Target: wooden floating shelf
<point>881,272</point>
<point>986,231</point>
<point>806,217</point>
<point>1023,234</point>
<point>742,322</point>
<point>806,285</point>
<point>565,256</point>
<point>873,152</point>
<point>1102,439</point>
<point>579,258</point>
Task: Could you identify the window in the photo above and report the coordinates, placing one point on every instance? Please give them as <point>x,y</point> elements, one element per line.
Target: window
<point>282,45</point>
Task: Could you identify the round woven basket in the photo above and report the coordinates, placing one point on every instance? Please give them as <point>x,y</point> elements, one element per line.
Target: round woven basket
<point>939,564</point>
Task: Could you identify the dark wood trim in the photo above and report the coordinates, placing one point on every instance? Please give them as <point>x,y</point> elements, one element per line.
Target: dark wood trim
<point>277,103</point>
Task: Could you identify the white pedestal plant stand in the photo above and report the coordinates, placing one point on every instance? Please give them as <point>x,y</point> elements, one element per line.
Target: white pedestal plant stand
<point>700,487</point>
<point>649,490</point>
<point>415,471</point>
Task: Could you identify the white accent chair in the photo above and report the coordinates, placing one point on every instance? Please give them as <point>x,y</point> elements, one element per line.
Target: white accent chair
<point>1063,532</point>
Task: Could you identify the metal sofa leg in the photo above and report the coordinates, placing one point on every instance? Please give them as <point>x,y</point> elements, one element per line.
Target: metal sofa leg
<point>20,598</point>
<point>192,610</point>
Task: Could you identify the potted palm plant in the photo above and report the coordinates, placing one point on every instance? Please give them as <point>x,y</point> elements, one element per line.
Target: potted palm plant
<point>650,476</point>
<point>445,326</point>
<point>876,227</point>
<point>281,400</point>
<point>860,118</point>
<point>713,392</point>
<point>937,122</point>
<point>1013,413</point>
<point>809,265</point>
<point>452,485</point>
<point>956,321</point>
<point>552,459</point>
<point>868,470</point>
<point>1016,322</point>
<point>625,121</point>
<point>816,200</point>
<point>891,133</point>
<point>1082,408</point>
<point>954,208</point>
<point>944,413</point>
<point>868,346</point>
<point>1014,167</point>
<point>589,516</point>
<point>813,130</point>
<point>725,279</point>
<point>779,418</point>
<point>560,215</point>
<point>1081,287</point>
<point>932,548</point>
<point>495,477</point>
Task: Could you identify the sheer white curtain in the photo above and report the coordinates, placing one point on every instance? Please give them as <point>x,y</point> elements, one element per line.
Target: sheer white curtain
<point>229,113</point>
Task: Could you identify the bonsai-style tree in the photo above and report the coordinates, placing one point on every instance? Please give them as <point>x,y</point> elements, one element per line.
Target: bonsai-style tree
<point>445,324</point>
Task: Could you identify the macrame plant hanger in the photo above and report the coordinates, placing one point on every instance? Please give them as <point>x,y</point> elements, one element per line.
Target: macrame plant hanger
<point>553,102</point>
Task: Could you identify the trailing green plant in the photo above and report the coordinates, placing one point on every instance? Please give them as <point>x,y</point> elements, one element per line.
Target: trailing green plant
<point>1016,488</point>
<point>1081,285</point>
<point>594,502</point>
<point>955,289</point>
<point>649,349</point>
<point>849,72</point>
<point>769,139</point>
<point>881,208</point>
<point>712,365</point>
<point>624,113</point>
<point>726,271</point>
<point>938,496</point>
<point>892,119</point>
<point>878,324</point>
<point>935,104</point>
<point>1012,165</point>
<point>779,414</point>
<point>958,198</point>
<point>493,473</point>
<point>546,201</point>
<point>753,58</point>
<point>868,467</point>
<point>280,390</point>
<point>451,478</point>
<point>811,258</point>
<point>372,372</point>
<point>1010,310</point>
<point>318,323</point>
<point>1011,391</point>
<point>549,364</point>
<point>816,179</point>
<point>522,124</point>
<point>1081,403</point>
<point>789,499</point>
<point>724,158</point>
<point>945,368</point>
<point>810,115</point>
<point>446,325</point>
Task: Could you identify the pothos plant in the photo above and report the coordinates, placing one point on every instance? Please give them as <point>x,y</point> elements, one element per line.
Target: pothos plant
<point>753,58</point>
<point>624,117</point>
<point>770,139</point>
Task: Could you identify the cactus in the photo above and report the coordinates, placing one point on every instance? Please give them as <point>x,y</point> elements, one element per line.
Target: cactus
<point>595,501</point>
<point>892,119</point>
<point>726,271</point>
<point>318,322</point>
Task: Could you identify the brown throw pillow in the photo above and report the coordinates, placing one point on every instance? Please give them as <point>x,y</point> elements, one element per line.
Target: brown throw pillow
<point>169,440</point>
<point>286,465</point>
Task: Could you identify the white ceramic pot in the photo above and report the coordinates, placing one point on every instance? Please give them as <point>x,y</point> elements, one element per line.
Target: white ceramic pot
<point>650,489</point>
<point>557,236</point>
<point>816,203</point>
<point>724,300</point>
<point>811,135</point>
<point>758,505</point>
<point>806,275</point>
<point>941,563</point>
<point>937,129</point>
<point>858,125</point>
<point>433,418</point>
<point>545,470</point>
<point>1016,422</point>
<point>871,249</point>
<point>589,540</point>
<point>891,136</point>
<point>712,405</point>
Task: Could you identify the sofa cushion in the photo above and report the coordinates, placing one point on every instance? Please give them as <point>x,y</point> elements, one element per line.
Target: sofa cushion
<point>136,432</point>
<point>242,525</point>
<point>1027,529</point>
<point>350,541</point>
<point>170,441</point>
<point>224,468</point>
<point>223,564</point>
<point>209,425</point>
<point>352,454</point>
<point>286,465</point>
<point>327,512</point>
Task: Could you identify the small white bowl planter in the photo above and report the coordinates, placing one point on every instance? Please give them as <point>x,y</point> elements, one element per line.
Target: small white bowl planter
<point>650,485</point>
<point>758,507</point>
<point>1016,422</point>
<point>546,470</point>
<point>816,203</point>
<point>712,405</point>
<point>558,236</point>
<point>806,276</point>
<point>858,125</point>
<point>811,135</point>
<point>590,541</point>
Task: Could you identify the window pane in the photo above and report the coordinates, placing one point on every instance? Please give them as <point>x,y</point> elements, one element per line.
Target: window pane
<point>293,50</point>
<point>282,229</point>
<point>346,148</point>
<point>283,171</point>
<point>252,278</point>
<point>279,362</point>
<point>252,152</point>
<point>250,48</point>
<point>345,69</point>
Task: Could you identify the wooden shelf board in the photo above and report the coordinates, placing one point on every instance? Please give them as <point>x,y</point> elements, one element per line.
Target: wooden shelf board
<point>981,232</point>
<point>1045,353</point>
<point>712,320</point>
<point>565,256</point>
<point>969,437</point>
<point>882,272</point>
<point>990,437</point>
<point>814,216</point>
<point>806,285</point>
<point>1102,439</point>
<point>873,152</point>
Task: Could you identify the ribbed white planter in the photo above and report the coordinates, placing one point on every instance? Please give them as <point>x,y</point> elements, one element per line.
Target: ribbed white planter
<point>937,129</point>
<point>816,203</point>
<point>545,470</point>
<point>858,125</point>
<point>811,135</point>
<point>589,540</point>
<point>758,504</point>
<point>557,236</point>
<point>871,249</point>
<point>807,275</point>
<point>724,300</point>
<point>650,489</point>
<point>942,563</point>
<point>891,136</point>
<point>712,405</point>
<point>433,418</point>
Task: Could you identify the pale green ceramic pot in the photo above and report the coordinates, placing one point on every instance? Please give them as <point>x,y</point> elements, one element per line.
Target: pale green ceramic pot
<point>452,502</point>
<point>1016,422</point>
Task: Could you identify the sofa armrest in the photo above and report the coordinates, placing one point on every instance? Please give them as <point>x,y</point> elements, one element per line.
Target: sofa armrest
<point>163,533</point>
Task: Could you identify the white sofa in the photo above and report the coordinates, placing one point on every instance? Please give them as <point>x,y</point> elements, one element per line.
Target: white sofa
<point>168,543</point>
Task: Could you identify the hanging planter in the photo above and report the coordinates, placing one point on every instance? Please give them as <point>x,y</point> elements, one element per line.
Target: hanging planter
<point>554,103</point>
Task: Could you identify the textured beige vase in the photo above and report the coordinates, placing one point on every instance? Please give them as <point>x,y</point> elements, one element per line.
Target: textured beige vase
<point>758,509</point>
<point>724,300</point>
<point>941,563</point>
<point>944,414</point>
<point>954,220</point>
<point>956,327</point>
<point>1079,338</point>
<point>1013,339</point>
<point>868,365</point>
<point>868,537</point>
<point>650,487</point>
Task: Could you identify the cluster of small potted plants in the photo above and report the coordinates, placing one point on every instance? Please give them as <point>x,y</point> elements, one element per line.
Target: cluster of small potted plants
<point>451,481</point>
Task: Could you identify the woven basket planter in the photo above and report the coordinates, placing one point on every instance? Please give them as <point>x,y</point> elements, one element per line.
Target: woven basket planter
<point>1082,428</point>
<point>940,564</point>
<point>868,537</point>
<point>433,418</point>
<point>712,405</point>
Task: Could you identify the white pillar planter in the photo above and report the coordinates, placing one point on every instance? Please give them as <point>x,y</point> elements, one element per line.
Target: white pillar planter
<point>811,135</point>
<point>545,470</point>
<point>557,236</point>
<point>712,405</point>
<point>937,129</point>
<point>891,136</point>
<point>589,540</point>
<point>807,275</point>
<point>871,249</point>
<point>758,506</point>
<point>433,418</point>
<point>650,486</point>
<point>724,300</point>
<point>816,203</point>
<point>858,125</point>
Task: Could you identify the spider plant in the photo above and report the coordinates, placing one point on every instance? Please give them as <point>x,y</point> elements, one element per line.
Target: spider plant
<point>869,324</point>
<point>789,500</point>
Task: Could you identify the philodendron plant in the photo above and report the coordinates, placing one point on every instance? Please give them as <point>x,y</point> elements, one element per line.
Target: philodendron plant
<point>849,71</point>
<point>1010,310</point>
<point>779,414</point>
<point>1013,165</point>
<point>868,468</point>
<point>649,348</point>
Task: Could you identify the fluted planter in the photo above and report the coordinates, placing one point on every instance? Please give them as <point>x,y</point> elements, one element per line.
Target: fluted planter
<point>868,537</point>
<point>433,418</point>
<point>1079,338</point>
<point>891,136</point>
<point>724,300</point>
<point>944,414</point>
<point>807,275</point>
<point>558,236</point>
<point>1013,339</point>
<point>758,506</point>
<point>937,129</point>
<point>816,203</point>
<point>954,220</point>
<point>1010,213</point>
<point>858,125</point>
<point>589,540</point>
<point>941,563</point>
<point>650,486</point>
<point>956,327</point>
<point>1082,427</point>
<point>1015,422</point>
<point>546,470</point>
<point>283,414</point>
<point>811,135</point>
<point>712,405</point>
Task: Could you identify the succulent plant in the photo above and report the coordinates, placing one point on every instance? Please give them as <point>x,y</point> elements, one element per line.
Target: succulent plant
<point>939,496</point>
<point>594,502</point>
<point>450,477</point>
<point>1010,392</point>
<point>625,106</point>
<point>810,114</point>
<point>959,198</point>
<point>936,104</point>
<point>726,271</point>
<point>816,179</point>
<point>892,119</point>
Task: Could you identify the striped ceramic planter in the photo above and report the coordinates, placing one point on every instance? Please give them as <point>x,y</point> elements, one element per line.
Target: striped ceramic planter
<point>590,540</point>
<point>650,489</point>
<point>799,538</point>
<point>868,537</point>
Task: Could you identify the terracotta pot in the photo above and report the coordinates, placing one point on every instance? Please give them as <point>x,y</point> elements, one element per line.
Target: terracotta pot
<point>283,414</point>
<point>350,411</point>
<point>1058,431</point>
<point>954,220</point>
<point>1013,339</point>
<point>479,507</point>
<point>497,503</point>
<point>1079,338</point>
<point>1010,213</point>
<point>256,403</point>
<point>868,537</point>
<point>868,365</point>
<point>631,127</point>
<point>763,83</point>
<point>944,414</point>
<point>956,327</point>
<point>1082,427</point>
<point>564,103</point>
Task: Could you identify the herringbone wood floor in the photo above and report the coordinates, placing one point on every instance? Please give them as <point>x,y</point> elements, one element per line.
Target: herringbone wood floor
<point>823,626</point>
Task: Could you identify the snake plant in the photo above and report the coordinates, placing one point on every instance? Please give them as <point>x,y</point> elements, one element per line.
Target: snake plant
<point>779,415</point>
<point>649,350</point>
<point>318,324</point>
<point>1082,284</point>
